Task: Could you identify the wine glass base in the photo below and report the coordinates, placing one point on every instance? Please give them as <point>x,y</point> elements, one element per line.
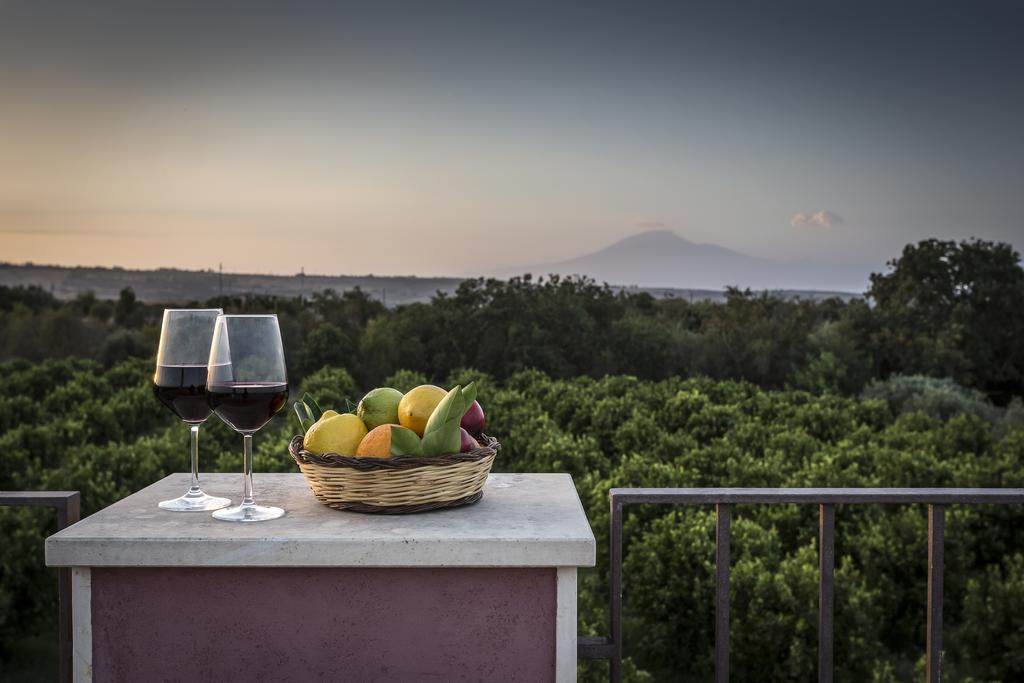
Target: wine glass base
<point>248,513</point>
<point>194,502</point>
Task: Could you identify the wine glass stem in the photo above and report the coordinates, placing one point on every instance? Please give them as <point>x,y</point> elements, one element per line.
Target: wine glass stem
<point>247,498</point>
<point>194,429</point>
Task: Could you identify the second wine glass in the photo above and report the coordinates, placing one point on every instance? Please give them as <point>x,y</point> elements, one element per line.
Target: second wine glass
<point>246,385</point>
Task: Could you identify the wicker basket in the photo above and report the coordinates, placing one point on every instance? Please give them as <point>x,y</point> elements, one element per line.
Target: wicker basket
<point>399,485</point>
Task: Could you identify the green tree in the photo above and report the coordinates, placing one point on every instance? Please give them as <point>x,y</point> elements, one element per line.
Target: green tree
<point>954,309</point>
<point>127,311</point>
<point>324,344</point>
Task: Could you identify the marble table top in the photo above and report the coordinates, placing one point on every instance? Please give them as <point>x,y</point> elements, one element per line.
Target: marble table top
<point>523,520</point>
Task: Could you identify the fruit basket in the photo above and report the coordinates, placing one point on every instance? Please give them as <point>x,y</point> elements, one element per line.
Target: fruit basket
<point>399,484</point>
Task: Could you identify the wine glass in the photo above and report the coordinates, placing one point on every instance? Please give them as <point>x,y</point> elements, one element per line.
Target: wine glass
<point>180,384</point>
<point>246,385</point>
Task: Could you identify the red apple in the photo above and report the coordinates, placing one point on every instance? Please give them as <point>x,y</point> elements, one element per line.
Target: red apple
<point>473,421</point>
<point>468,442</point>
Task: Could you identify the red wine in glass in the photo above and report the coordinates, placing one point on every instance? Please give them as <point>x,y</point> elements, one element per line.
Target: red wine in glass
<point>180,384</point>
<point>182,389</point>
<point>247,406</point>
<point>246,385</point>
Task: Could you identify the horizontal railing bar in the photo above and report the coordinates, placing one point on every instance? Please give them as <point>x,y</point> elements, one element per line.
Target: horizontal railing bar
<point>36,498</point>
<point>594,647</point>
<point>936,496</point>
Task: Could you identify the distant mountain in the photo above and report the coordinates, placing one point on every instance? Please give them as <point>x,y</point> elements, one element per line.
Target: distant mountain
<point>659,262</point>
<point>661,258</point>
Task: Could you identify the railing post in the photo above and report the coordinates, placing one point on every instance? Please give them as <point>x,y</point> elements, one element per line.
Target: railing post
<point>67,514</point>
<point>936,560</point>
<point>826,596</point>
<point>68,505</point>
<point>615,610</point>
<point>723,517</point>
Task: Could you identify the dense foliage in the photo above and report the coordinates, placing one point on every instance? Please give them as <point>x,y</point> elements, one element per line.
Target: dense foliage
<point>621,390</point>
<point>621,431</point>
<point>943,309</point>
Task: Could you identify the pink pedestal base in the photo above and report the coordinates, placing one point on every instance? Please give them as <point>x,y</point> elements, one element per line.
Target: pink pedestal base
<point>296,624</point>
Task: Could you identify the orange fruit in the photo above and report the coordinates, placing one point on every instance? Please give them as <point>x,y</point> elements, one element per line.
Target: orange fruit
<point>376,443</point>
<point>416,406</point>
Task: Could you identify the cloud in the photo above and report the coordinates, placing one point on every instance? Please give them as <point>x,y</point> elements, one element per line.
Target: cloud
<point>822,219</point>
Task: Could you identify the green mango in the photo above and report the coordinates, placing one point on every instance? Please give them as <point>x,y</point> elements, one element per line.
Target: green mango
<point>441,436</point>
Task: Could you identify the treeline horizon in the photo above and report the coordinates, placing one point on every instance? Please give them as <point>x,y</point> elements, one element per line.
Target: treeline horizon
<point>943,309</point>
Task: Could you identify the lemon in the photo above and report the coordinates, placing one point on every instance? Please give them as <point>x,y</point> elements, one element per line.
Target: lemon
<point>339,434</point>
<point>416,406</point>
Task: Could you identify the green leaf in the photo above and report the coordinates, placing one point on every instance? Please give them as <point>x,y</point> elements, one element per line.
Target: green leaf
<point>405,441</point>
<point>314,408</point>
<point>302,412</point>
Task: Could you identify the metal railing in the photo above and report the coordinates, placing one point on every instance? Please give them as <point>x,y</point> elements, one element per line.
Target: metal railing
<point>68,506</point>
<point>826,499</point>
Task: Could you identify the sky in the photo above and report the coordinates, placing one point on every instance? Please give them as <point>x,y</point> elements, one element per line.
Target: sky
<point>460,139</point>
